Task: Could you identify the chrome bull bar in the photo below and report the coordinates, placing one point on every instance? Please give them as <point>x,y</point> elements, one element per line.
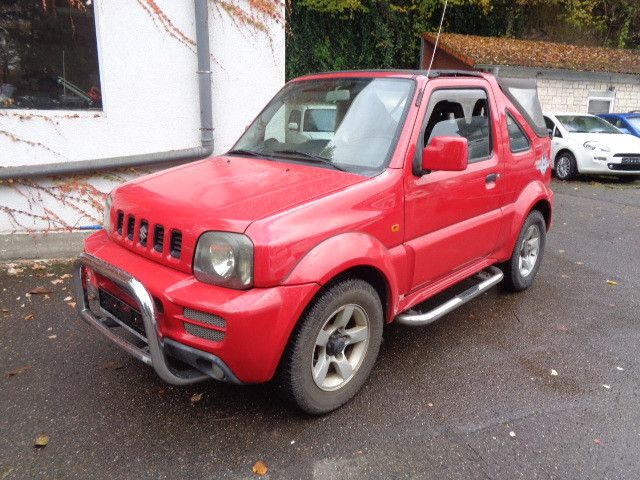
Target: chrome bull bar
<point>154,353</point>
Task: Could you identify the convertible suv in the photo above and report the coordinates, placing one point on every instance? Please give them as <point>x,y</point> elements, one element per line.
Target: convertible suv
<point>285,257</point>
<point>588,144</point>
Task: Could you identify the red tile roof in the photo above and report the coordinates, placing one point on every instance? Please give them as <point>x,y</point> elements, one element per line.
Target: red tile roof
<point>474,50</point>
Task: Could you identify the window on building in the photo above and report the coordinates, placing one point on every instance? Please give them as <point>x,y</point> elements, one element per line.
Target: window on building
<point>518,140</point>
<point>48,55</point>
<point>463,113</point>
<point>600,103</point>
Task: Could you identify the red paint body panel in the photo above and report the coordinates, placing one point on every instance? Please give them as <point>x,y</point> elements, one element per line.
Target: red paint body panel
<point>258,326</point>
<point>309,224</point>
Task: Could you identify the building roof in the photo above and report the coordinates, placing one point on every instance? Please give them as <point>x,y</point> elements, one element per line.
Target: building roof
<point>475,51</point>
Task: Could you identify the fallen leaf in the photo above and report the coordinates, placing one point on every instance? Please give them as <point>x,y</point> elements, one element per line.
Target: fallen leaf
<point>512,433</point>
<point>113,365</point>
<point>37,266</point>
<point>195,398</point>
<point>6,471</point>
<point>5,310</point>
<point>612,282</point>
<point>72,304</point>
<point>42,441</point>
<point>554,373</point>
<point>597,441</point>
<point>68,299</point>
<point>39,291</point>
<point>53,337</point>
<point>66,275</point>
<point>14,271</point>
<point>29,317</point>
<point>260,468</point>
<point>18,371</point>
<point>620,369</point>
<point>564,276</point>
<point>57,281</point>
<point>608,387</point>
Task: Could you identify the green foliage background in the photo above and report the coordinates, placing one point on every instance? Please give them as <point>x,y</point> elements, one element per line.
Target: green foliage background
<point>353,34</point>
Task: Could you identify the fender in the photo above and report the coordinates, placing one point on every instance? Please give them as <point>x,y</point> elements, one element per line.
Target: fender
<point>344,251</point>
<point>516,213</point>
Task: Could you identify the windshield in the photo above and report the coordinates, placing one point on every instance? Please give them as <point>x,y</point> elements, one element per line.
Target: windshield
<point>344,123</point>
<point>634,121</point>
<point>586,124</point>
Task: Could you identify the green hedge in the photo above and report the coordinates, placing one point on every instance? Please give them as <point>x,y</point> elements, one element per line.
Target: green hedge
<point>381,37</point>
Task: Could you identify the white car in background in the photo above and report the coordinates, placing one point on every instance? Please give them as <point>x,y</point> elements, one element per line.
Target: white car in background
<point>583,143</point>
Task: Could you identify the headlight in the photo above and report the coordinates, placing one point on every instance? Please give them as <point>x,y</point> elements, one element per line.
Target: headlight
<point>224,259</point>
<point>106,222</point>
<point>593,145</point>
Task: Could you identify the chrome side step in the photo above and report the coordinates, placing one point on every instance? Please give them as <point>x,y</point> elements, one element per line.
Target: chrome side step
<point>490,277</point>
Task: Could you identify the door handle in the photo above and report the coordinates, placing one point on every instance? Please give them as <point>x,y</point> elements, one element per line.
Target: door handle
<point>492,177</point>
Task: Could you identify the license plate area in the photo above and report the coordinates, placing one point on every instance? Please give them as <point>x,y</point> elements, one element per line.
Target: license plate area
<point>122,311</point>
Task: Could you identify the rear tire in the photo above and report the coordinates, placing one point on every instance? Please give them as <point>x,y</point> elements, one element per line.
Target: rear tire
<point>333,349</point>
<point>521,269</point>
<point>565,166</point>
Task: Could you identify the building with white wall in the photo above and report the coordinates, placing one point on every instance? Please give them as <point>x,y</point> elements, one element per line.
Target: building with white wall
<point>570,78</point>
<point>156,101</point>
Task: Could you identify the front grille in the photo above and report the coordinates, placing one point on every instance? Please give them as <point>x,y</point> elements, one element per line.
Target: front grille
<point>120,222</point>
<point>206,333</point>
<point>204,317</point>
<point>158,238</point>
<point>176,244</point>
<point>131,225</point>
<point>148,236</point>
<point>622,167</point>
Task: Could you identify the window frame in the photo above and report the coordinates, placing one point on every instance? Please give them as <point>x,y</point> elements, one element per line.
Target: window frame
<point>84,113</point>
<point>429,111</point>
<point>600,98</point>
<point>556,133</point>
<point>510,115</point>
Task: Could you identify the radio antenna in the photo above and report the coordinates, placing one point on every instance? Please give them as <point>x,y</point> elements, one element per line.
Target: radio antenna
<point>435,46</point>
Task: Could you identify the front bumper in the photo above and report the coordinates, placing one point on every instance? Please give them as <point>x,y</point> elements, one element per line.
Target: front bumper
<point>259,321</point>
<point>608,163</point>
<point>157,349</point>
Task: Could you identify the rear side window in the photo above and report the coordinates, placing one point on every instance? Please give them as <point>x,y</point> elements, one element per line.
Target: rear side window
<point>464,113</point>
<point>518,139</point>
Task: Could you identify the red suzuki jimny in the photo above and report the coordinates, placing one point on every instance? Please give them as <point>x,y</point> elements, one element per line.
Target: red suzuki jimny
<point>350,200</point>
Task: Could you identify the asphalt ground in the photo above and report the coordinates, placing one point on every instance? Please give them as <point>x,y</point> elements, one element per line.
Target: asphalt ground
<point>541,384</point>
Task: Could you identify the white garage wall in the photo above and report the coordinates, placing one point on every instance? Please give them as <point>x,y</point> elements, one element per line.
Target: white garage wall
<point>572,95</point>
<point>150,96</point>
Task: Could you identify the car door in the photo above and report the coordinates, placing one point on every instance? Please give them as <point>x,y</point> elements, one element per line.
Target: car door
<point>556,136</point>
<point>453,218</point>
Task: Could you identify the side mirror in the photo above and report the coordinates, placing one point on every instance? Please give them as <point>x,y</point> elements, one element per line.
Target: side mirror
<point>449,154</point>
<point>293,126</point>
<point>550,132</point>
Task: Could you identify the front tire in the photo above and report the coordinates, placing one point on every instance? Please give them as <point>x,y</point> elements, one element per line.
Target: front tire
<point>334,347</point>
<point>521,269</point>
<point>566,167</point>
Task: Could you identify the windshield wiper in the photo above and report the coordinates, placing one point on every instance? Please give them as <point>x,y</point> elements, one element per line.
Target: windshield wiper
<point>311,156</point>
<point>250,153</point>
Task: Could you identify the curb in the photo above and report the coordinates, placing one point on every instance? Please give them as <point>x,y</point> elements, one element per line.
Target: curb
<point>25,246</point>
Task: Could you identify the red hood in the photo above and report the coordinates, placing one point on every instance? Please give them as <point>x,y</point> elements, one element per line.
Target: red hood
<point>224,193</point>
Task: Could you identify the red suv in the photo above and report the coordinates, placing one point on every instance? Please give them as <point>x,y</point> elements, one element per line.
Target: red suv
<point>287,255</point>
